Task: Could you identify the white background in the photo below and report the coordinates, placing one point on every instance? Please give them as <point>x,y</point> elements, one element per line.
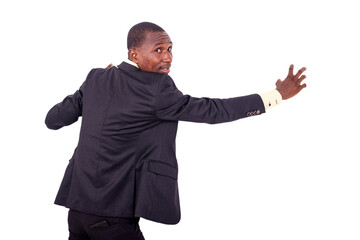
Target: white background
<point>292,173</point>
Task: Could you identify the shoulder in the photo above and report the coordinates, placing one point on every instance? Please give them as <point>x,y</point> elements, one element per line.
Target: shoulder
<point>102,73</point>
<point>166,82</point>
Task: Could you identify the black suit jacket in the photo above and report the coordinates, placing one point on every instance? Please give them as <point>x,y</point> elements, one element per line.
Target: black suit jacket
<point>125,163</point>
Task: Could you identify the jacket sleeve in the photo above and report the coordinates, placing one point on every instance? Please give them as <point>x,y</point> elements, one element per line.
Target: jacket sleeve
<point>171,104</point>
<point>66,112</point>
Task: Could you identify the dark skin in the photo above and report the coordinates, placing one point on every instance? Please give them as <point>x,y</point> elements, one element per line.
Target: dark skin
<point>155,55</point>
<point>291,85</point>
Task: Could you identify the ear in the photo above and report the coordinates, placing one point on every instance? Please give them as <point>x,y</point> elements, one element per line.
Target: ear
<point>133,56</point>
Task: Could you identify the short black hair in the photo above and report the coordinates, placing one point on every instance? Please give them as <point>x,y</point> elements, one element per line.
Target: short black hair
<point>137,33</point>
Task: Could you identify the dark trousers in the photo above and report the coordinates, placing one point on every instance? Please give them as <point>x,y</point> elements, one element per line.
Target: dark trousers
<point>89,227</point>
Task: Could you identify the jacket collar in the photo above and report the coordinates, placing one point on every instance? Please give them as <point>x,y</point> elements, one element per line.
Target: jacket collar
<point>131,62</point>
<point>128,67</point>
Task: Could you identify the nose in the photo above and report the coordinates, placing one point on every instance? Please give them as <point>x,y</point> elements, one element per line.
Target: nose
<point>167,57</point>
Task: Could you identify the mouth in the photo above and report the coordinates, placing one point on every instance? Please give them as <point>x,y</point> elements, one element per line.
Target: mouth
<point>165,68</point>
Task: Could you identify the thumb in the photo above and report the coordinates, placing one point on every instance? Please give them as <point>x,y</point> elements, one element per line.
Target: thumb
<point>278,82</point>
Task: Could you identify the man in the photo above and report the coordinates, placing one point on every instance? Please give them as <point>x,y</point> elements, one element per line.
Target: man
<point>124,166</point>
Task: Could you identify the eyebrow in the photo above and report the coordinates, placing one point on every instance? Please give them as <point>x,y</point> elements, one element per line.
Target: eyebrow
<point>161,43</point>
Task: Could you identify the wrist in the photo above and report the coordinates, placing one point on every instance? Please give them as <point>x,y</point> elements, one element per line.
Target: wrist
<point>271,98</point>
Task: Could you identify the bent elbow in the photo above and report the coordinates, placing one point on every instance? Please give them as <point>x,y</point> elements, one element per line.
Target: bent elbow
<point>50,125</point>
<point>50,122</point>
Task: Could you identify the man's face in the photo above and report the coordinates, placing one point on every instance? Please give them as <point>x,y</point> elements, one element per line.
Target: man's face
<point>155,54</point>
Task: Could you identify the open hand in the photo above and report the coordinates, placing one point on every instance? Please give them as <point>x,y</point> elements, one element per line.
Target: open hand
<point>291,85</point>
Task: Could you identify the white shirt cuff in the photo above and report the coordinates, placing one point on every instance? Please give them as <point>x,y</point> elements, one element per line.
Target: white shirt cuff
<point>271,99</point>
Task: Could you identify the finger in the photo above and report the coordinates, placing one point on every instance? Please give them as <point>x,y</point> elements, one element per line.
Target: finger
<point>278,82</point>
<point>302,86</point>
<point>110,65</point>
<point>300,72</point>
<point>301,79</point>
<point>291,70</point>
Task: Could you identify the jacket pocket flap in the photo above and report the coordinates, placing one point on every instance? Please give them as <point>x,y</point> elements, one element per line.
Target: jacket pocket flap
<point>163,169</point>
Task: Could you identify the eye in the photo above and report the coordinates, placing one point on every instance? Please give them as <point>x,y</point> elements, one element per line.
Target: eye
<point>170,49</point>
<point>158,50</point>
